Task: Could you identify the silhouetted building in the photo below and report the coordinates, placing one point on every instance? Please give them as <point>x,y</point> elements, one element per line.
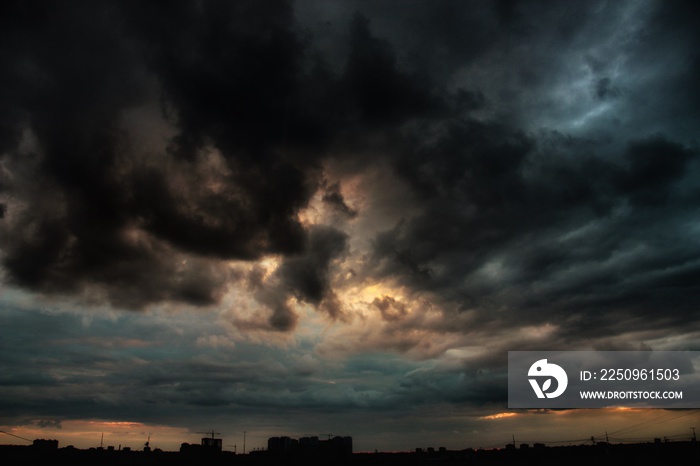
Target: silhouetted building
<point>311,451</point>
<point>281,444</point>
<point>210,447</point>
<point>212,443</point>
<point>341,445</point>
<point>44,444</point>
<point>310,446</point>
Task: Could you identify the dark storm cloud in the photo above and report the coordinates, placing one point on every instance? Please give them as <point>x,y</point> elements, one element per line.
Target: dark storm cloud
<point>604,89</point>
<point>589,231</point>
<point>70,71</point>
<point>97,215</point>
<point>308,275</point>
<point>668,46</point>
<point>305,276</point>
<point>226,70</point>
<point>567,241</point>
<point>654,166</point>
<point>520,198</point>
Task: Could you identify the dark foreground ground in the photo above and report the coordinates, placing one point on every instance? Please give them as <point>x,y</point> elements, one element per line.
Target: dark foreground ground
<point>662,454</point>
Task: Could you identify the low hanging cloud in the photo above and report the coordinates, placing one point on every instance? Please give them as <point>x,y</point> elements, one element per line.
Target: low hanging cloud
<point>44,424</point>
<point>335,199</point>
<point>308,275</point>
<point>390,308</point>
<point>304,277</point>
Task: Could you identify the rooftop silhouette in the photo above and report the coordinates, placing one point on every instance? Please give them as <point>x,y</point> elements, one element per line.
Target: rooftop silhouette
<point>338,450</point>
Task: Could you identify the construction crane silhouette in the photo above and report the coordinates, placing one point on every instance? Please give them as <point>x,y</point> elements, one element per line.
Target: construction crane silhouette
<point>212,433</point>
<point>13,435</point>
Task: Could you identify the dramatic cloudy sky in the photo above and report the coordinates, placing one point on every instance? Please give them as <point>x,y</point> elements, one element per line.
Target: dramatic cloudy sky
<point>337,217</point>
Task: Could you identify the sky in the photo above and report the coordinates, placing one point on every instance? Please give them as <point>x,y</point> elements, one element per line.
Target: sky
<point>336,218</point>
